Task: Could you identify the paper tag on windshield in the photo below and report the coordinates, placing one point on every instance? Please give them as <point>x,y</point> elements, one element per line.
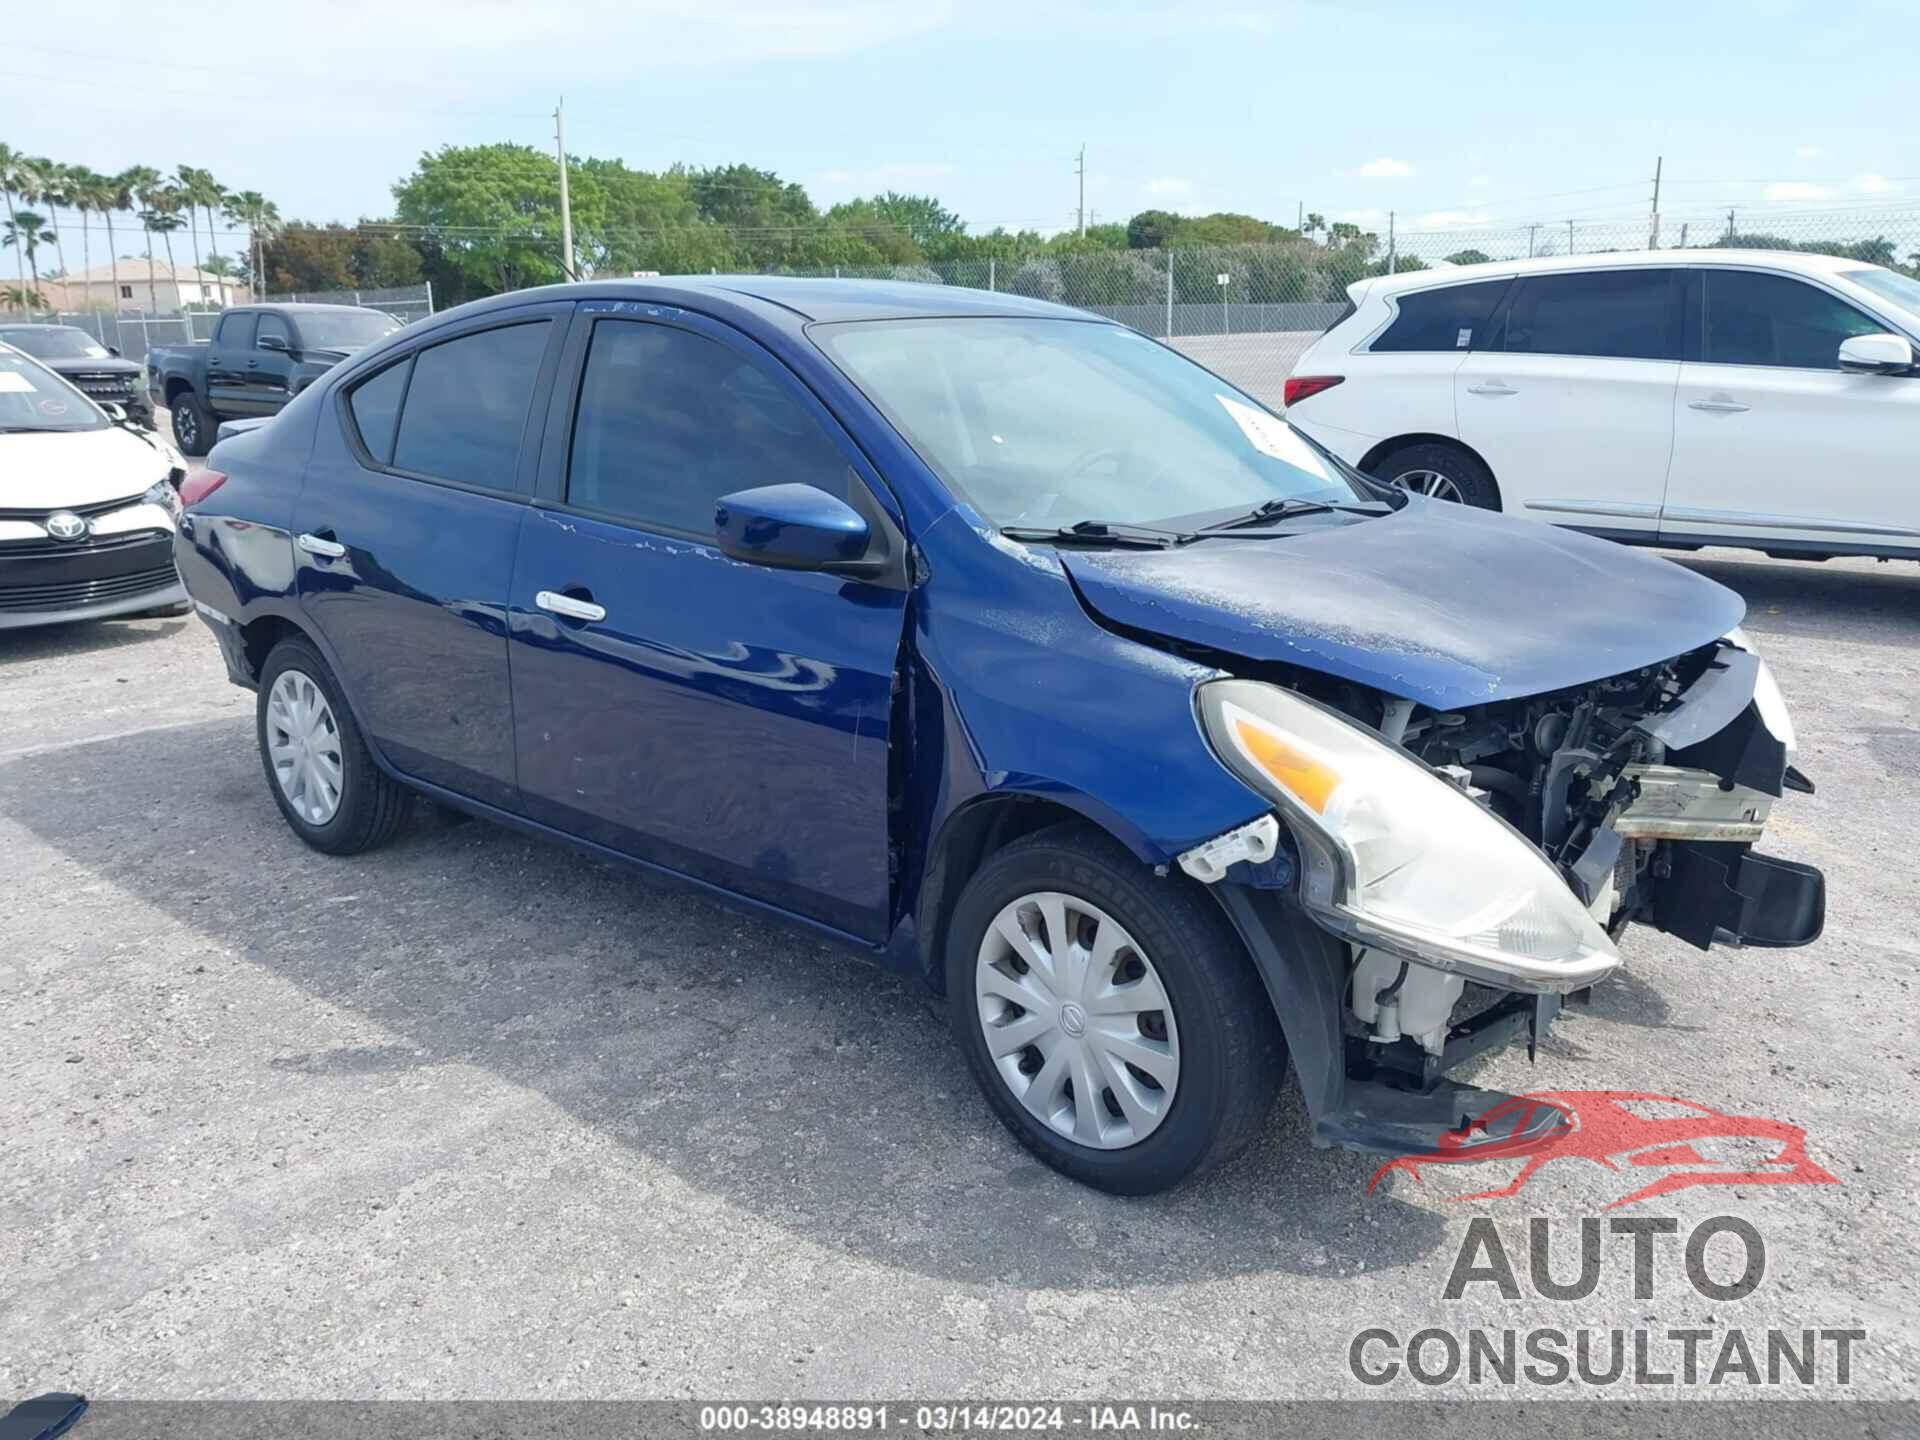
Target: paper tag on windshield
<point>1273,437</point>
<point>12,382</point>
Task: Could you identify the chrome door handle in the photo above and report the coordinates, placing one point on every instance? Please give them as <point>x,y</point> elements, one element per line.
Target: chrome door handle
<point>1718,407</point>
<point>555,603</point>
<point>314,545</point>
<point>1493,387</point>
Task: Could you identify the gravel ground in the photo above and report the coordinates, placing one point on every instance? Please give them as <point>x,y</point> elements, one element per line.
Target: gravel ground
<point>477,1117</point>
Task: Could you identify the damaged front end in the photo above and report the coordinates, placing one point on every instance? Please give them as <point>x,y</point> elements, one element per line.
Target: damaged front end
<point>1464,871</point>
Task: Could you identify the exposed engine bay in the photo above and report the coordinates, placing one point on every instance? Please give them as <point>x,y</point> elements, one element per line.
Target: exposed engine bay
<point>1646,790</point>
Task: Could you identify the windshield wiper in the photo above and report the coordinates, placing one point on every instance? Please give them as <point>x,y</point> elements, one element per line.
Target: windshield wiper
<point>1099,532</point>
<point>1267,510</point>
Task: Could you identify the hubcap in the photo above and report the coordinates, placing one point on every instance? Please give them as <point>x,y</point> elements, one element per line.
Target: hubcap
<point>1077,1021</point>
<point>1432,483</point>
<point>185,427</point>
<point>303,746</point>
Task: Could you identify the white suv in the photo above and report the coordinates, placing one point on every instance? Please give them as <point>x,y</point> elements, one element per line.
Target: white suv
<point>1699,397</point>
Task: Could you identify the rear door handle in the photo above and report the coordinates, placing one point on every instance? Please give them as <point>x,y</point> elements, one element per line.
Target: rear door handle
<point>554,603</point>
<point>1719,405</point>
<point>1492,387</point>
<point>319,545</point>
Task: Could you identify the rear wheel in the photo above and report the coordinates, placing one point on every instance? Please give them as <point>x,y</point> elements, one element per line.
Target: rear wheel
<point>193,424</point>
<point>1440,472</point>
<point>1111,1017</point>
<point>322,776</point>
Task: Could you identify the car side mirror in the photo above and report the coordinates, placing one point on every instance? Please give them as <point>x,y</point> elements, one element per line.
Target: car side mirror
<point>272,342</point>
<point>114,350</point>
<point>116,413</point>
<point>794,527</point>
<point>1876,354</point>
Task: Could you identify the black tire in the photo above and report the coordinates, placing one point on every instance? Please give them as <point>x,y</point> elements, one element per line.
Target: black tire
<point>371,805</point>
<point>1232,1055</point>
<point>193,424</point>
<point>1472,482</point>
<point>179,607</point>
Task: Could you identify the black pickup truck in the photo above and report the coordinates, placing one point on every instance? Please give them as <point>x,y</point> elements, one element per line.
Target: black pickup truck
<point>259,358</point>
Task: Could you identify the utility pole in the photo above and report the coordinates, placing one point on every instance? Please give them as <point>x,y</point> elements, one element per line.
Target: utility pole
<point>1531,231</point>
<point>1080,168</point>
<point>566,207</point>
<point>1683,235</point>
<point>1569,237</point>
<point>1653,233</point>
<point>1730,229</point>
<point>1390,252</point>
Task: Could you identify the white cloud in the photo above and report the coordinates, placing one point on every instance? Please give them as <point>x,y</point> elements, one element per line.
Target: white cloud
<point>1875,185</point>
<point>1787,192</point>
<point>1807,152</point>
<point>1479,182</point>
<point>1451,219</point>
<point>1384,169</point>
<point>1170,187</point>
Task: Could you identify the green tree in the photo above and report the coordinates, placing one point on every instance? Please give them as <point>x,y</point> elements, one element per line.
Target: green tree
<point>489,216</point>
<point>56,193</point>
<point>923,219</point>
<point>1152,229</point>
<point>14,178</point>
<point>1468,257</point>
<point>261,217</point>
<point>92,194</point>
<point>198,188</point>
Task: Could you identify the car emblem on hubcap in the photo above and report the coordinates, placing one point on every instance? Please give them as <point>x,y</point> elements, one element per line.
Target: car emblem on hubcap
<point>1073,1019</point>
<point>65,525</point>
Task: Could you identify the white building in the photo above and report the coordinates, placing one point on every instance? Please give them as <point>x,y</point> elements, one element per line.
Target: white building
<point>174,288</point>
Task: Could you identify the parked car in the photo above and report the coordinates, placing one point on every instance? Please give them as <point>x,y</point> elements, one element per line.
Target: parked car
<point>95,369</point>
<point>259,358</point>
<point>1684,398</point>
<point>1006,644</point>
<point>87,506</point>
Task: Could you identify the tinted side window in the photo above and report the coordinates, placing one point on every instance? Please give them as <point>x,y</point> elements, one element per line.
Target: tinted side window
<point>1453,317</point>
<point>1616,314</point>
<point>670,421</point>
<point>466,409</point>
<point>1751,319</point>
<point>271,325</point>
<point>236,331</point>
<point>375,405</point>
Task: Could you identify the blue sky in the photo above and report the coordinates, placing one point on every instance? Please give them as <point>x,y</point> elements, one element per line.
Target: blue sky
<point>1472,120</point>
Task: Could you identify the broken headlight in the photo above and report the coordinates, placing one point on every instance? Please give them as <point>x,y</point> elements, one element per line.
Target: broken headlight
<point>1396,858</point>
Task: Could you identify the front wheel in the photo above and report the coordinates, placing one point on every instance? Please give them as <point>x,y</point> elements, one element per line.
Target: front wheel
<point>1112,1017</point>
<point>1440,472</point>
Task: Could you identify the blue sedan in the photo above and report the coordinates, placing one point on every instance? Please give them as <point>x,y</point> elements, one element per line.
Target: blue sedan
<point>1003,643</point>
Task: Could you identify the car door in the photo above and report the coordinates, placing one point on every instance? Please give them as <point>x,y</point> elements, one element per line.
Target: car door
<point>1773,442</point>
<point>227,355</point>
<point>269,369</point>
<point>405,529</point>
<point>720,719</point>
<point>1571,405</point>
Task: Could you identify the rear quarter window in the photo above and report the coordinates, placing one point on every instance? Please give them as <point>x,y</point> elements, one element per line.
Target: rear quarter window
<point>465,410</point>
<point>1452,317</point>
<point>374,406</point>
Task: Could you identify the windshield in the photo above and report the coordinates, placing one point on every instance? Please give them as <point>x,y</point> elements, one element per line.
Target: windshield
<point>343,330</point>
<point>61,342</point>
<point>32,397</point>
<point>1902,290</point>
<point>1054,422</point>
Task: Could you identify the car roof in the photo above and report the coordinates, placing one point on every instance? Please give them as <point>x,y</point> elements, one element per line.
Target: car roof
<point>41,325</point>
<point>302,307</point>
<point>1792,260</point>
<point>807,298</point>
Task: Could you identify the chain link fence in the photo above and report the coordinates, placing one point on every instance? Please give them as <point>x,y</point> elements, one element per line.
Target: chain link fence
<point>406,303</point>
<point>1249,311</point>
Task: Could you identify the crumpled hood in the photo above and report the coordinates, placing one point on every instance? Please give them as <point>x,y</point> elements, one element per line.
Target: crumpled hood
<point>1436,603</point>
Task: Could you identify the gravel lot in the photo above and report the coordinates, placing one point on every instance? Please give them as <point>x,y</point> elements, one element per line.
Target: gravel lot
<point>475,1116</point>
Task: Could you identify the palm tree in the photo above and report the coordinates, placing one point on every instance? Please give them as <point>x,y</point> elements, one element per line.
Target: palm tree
<point>90,193</point>
<point>262,219</point>
<point>118,190</point>
<point>143,183</point>
<point>203,190</point>
<point>12,162</point>
<point>162,218</point>
<point>56,190</point>
<point>23,232</point>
